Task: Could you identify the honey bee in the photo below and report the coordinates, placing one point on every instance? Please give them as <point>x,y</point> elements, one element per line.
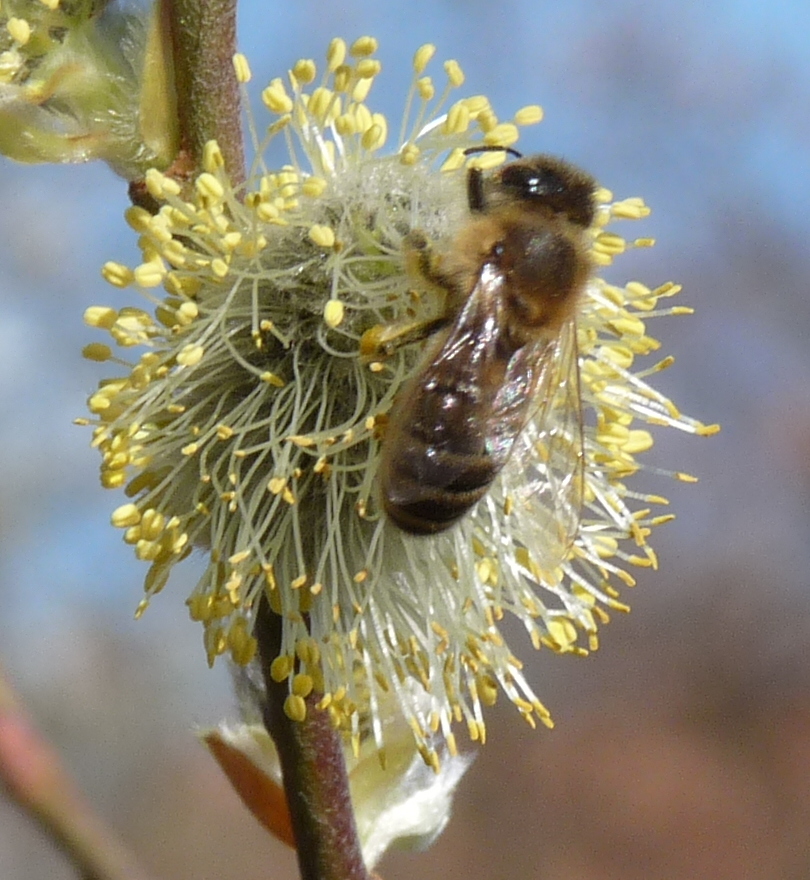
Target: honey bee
<point>503,352</point>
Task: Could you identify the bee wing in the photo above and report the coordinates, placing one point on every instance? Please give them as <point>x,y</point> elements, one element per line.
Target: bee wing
<point>546,473</point>
<point>465,398</point>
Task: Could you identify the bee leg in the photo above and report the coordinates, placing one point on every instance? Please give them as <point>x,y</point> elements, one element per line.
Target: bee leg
<point>383,340</point>
<point>420,260</point>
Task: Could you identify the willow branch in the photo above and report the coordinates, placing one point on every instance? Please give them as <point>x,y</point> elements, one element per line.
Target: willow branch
<point>33,776</point>
<point>315,780</point>
<point>203,39</point>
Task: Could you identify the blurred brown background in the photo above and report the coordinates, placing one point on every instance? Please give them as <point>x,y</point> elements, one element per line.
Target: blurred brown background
<point>682,748</point>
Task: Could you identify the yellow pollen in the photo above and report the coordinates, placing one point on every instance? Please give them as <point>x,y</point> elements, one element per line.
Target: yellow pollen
<point>276,99</point>
<point>425,88</point>
<point>97,351</point>
<point>422,57</point>
<point>281,668</point>
<point>368,68</point>
<point>102,317</point>
<point>150,274</point>
<point>373,138</point>
<point>305,70</point>
<point>125,516</point>
<point>323,236</point>
<point>361,89</point>
<point>19,30</point>
<point>313,187</point>
<point>295,707</point>
<point>272,379</point>
<point>209,187</point>
<point>454,161</point>
<point>363,47</point>
<point>503,135</point>
<point>213,160</point>
<point>454,73</point>
<point>336,54</point>
<point>241,68</point>
<point>117,275</point>
<point>219,267</point>
<point>458,119</point>
<point>190,355</point>
<point>302,685</point>
<point>530,115</point>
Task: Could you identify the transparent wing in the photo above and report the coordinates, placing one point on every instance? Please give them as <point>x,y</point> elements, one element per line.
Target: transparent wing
<point>545,476</point>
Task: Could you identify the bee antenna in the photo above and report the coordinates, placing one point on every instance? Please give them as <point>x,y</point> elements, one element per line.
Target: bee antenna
<point>492,148</point>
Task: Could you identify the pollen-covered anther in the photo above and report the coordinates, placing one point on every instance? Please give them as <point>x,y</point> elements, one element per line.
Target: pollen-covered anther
<point>272,379</point>
<point>276,99</point>
<point>159,186</point>
<point>102,317</point>
<point>190,355</point>
<point>295,707</point>
<point>458,119</point>
<point>487,120</point>
<point>502,135</point>
<point>97,351</point>
<point>361,89</point>
<point>150,274</point>
<point>212,160</point>
<point>324,105</point>
<point>422,57</point>
<point>609,243</point>
<point>363,47</point>
<point>209,189</point>
<point>321,235</point>
<point>313,187</point>
<point>425,88</point>
<point>125,516</point>
<point>335,54</point>
<point>455,74</point>
<point>19,30</point>
<point>454,161</point>
<point>241,68</point>
<point>629,209</point>
<point>529,115</point>
<point>374,137</point>
<point>117,275</point>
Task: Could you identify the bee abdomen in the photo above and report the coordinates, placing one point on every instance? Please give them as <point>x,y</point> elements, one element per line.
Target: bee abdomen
<point>425,494</point>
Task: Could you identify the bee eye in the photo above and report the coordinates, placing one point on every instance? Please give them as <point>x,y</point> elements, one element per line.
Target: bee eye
<point>534,183</point>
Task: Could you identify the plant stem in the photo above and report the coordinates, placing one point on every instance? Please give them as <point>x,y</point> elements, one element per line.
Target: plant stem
<point>315,779</point>
<point>203,38</point>
<point>32,774</point>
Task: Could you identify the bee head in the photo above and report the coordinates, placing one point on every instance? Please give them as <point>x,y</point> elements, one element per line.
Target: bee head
<point>549,183</point>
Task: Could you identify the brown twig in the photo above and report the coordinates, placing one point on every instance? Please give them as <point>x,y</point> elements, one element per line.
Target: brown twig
<point>203,39</point>
<point>33,775</point>
<point>315,779</point>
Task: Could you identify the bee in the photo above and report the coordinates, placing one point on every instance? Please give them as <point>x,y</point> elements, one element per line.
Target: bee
<point>505,351</point>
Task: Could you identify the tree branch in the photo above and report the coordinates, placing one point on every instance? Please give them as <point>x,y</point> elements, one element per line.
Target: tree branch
<point>33,775</point>
<point>315,779</point>
<point>203,39</point>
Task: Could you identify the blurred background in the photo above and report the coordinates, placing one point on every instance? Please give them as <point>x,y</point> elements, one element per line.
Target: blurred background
<point>682,747</point>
